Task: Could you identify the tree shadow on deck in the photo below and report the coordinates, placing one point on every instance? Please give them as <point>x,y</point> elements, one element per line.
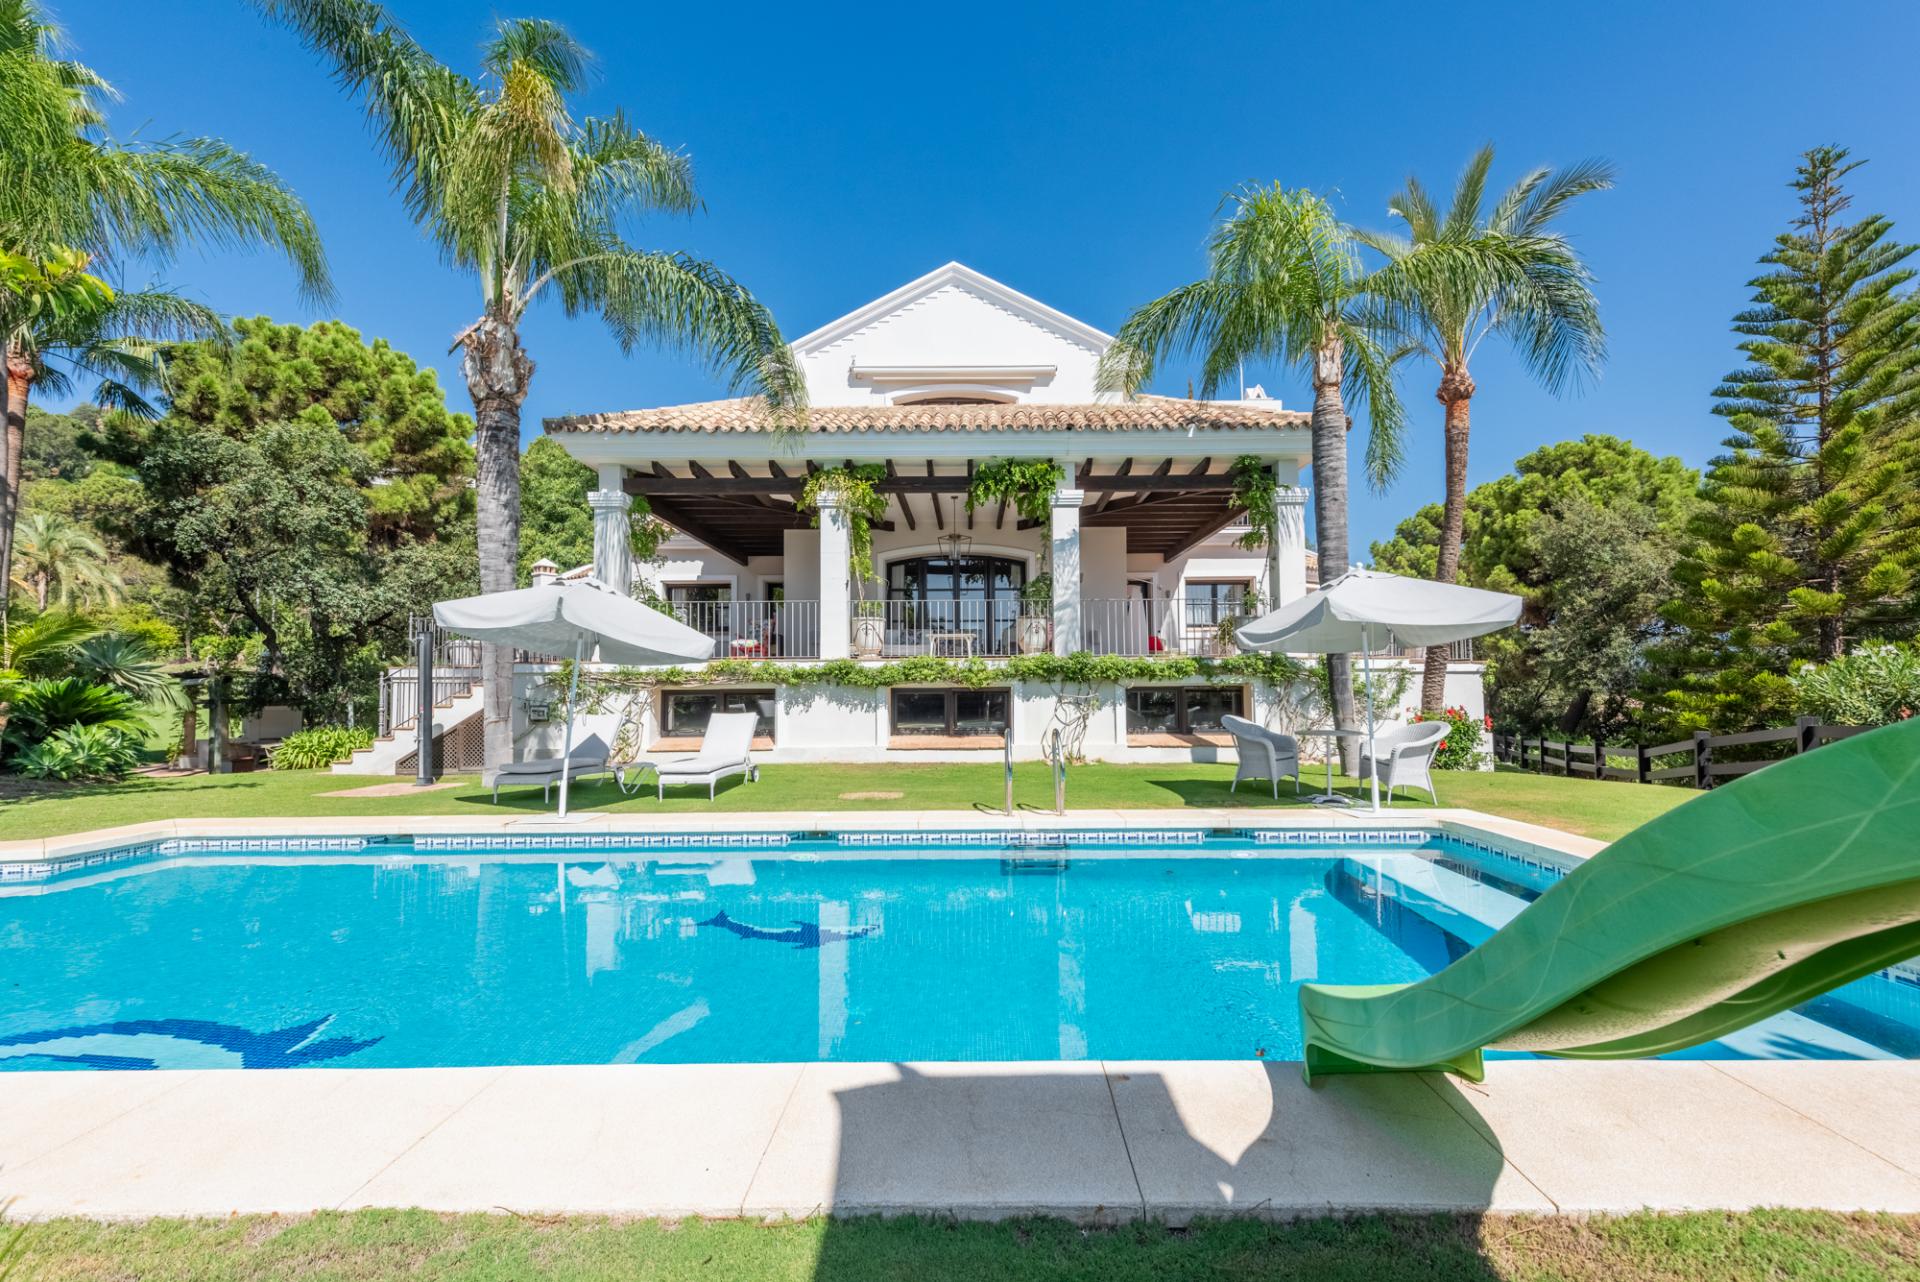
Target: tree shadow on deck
<point>1153,1171</point>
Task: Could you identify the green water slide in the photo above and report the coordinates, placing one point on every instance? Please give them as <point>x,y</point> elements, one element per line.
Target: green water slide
<point>1743,902</point>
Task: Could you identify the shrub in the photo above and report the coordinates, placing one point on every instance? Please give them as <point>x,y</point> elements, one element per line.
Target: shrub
<point>318,747</point>
<point>1872,686</point>
<point>1461,748</point>
<point>81,752</point>
<point>43,708</point>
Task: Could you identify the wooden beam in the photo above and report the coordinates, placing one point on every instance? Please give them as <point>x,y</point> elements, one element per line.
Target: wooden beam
<point>939,522</point>
<point>1200,468</point>
<point>906,508</point>
<point>692,526</point>
<point>733,466</point>
<point>699,471</point>
<point>1000,517</point>
<point>664,482</point>
<point>779,473</point>
<point>1159,473</point>
<point>969,491</point>
<point>1215,522</point>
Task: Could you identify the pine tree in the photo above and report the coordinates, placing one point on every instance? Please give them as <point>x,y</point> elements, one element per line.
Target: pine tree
<point>1810,538</point>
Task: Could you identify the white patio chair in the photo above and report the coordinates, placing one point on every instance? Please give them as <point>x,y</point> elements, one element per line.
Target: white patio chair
<point>1263,753</point>
<point>726,749</point>
<point>1406,755</point>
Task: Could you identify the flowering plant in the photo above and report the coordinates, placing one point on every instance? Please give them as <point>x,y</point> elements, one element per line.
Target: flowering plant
<point>1461,746</point>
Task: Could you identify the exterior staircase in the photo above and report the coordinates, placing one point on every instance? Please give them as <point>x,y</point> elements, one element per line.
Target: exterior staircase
<point>458,697</point>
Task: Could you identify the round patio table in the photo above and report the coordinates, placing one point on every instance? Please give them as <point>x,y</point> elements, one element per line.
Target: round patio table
<point>1332,736</point>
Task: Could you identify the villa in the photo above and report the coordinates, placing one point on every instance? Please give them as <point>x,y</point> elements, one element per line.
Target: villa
<point>1141,547</point>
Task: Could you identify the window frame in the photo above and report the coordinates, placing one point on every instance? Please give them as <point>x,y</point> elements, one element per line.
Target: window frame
<point>952,694</point>
<point>748,693</point>
<point>1182,720</point>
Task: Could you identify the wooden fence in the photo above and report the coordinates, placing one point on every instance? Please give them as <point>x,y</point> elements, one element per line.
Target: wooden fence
<point>1699,762</point>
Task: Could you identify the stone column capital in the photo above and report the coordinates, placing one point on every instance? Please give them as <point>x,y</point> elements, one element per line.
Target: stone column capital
<point>617,501</point>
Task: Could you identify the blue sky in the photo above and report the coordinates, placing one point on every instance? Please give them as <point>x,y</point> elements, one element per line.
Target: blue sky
<point>1078,153</point>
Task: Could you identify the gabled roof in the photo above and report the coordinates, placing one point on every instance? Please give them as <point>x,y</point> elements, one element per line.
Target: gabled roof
<point>750,414</point>
<point>954,274</point>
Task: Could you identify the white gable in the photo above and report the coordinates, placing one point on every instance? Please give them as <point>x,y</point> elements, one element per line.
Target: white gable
<point>952,333</point>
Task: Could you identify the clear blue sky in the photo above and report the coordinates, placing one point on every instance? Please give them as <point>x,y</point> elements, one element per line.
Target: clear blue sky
<point>1078,153</point>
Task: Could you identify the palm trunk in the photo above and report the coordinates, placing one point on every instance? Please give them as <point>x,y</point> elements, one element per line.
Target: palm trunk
<point>19,382</point>
<point>1456,394</point>
<point>498,374</point>
<point>1330,520</point>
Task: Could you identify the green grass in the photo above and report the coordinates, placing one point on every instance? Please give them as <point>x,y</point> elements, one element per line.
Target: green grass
<point>369,1245</point>
<point>1603,810</point>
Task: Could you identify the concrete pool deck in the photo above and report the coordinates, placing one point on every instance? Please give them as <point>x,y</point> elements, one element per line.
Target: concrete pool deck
<point>1092,1141</point>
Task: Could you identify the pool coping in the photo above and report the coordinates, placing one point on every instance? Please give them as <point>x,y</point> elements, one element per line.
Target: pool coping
<point>1098,1142</point>
<point>1509,835</point>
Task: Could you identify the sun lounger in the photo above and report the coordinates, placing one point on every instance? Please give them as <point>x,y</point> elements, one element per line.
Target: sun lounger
<point>725,750</point>
<point>589,758</point>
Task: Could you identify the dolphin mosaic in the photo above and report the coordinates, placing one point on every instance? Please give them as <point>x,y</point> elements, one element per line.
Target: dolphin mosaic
<point>802,934</point>
<point>181,1043</point>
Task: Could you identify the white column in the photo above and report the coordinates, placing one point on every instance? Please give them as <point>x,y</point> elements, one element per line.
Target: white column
<point>1068,626</point>
<point>833,577</point>
<point>1287,556</point>
<point>612,543</point>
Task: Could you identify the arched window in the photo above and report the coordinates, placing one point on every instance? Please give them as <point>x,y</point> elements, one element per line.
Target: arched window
<point>973,596</point>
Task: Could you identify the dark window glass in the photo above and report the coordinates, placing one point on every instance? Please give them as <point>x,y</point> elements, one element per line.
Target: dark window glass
<point>698,593</point>
<point>686,712</point>
<point>1207,704</point>
<point>979,711</point>
<point>956,712</point>
<point>1181,709</point>
<point>1211,602</point>
<point>1151,711</point>
<point>919,712</point>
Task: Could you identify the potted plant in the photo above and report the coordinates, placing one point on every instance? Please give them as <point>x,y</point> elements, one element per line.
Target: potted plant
<point>1035,632</point>
<point>869,629</point>
<point>1224,640</point>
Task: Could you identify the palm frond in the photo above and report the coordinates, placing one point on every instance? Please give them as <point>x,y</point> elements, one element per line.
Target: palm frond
<point>1463,216</point>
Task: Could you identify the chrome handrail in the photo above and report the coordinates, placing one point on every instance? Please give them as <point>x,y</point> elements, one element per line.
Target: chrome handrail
<point>1055,746</point>
<point>1009,751</point>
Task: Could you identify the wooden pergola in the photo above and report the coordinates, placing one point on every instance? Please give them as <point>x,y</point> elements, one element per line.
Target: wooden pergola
<point>1168,506</point>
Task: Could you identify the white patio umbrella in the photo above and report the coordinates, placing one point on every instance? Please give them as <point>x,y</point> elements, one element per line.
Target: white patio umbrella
<point>1364,608</point>
<point>585,618</point>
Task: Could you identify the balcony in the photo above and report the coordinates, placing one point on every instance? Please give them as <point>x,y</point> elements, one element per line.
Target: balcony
<point>1167,626</point>
<point>899,628</point>
<point>755,629</point>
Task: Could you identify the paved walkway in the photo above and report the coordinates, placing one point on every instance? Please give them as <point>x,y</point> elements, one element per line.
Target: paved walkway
<point>1089,1140</point>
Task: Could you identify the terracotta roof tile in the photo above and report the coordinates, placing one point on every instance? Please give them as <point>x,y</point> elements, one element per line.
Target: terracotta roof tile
<point>750,414</point>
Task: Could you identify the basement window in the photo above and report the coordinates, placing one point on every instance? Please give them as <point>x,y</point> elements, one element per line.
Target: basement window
<point>1182,709</point>
<point>950,712</point>
<point>684,713</point>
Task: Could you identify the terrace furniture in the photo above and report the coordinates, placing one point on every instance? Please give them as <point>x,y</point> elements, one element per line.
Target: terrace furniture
<point>950,643</point>
<point>725,749</point>
<point>1263,753</point>
<point>589,758</point>
<point>1402,756</point>
<point>1333,735</point>
<point>1750,899</point>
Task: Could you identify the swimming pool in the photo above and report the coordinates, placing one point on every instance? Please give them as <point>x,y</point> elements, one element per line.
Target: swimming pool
<point>770,947</point>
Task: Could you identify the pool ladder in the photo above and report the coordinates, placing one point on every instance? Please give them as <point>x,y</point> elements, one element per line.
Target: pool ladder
<point>1054,744</point>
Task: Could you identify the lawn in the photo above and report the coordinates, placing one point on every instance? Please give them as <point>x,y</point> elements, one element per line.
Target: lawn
<point>367,1245</point>
<point>1602,810</point>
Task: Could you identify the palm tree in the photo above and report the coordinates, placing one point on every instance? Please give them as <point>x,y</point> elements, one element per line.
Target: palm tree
<point>1456,278</point>
<point>1283,284</point>
<point>73,198</point>
<point>66,563</point>
<point>531,202</point>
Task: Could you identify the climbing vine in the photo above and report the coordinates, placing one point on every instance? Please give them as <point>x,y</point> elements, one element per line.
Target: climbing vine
<point>1255,492</point>
<point>858,487</point>
<point>1081,669</point>
<point>1027,483</point>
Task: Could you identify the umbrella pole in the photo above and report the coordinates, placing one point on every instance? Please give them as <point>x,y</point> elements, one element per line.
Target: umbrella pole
<point>1366,668</point>
<point>566,740</point>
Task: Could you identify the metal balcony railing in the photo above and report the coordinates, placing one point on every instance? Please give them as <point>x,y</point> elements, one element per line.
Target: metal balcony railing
<point>1166,626</point>
<point>755,629</point>
<point>897,628</point>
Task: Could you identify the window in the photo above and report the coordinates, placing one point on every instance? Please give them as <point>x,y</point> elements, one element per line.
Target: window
<point>1213,601</point>
<point>686,712</point>
<point>1182,709</point>
<point>974,601</point>
<point>699,593</point>
<point>950,712</point>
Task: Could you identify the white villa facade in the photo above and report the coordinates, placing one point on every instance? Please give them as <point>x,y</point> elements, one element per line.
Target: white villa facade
<point>942,376</point>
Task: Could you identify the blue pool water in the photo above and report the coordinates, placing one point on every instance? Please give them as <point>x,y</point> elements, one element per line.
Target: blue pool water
<point>398,958</point>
